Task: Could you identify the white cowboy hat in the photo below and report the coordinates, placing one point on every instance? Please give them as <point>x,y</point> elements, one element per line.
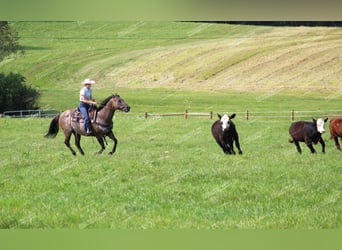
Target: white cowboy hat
<point>88,81</point>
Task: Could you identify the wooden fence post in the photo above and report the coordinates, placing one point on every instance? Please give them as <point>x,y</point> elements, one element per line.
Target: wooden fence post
<point>292,115</point>
<point>146,115</point>
<point>247,115</point>
<point>186,114</point>
<point>211,115</point>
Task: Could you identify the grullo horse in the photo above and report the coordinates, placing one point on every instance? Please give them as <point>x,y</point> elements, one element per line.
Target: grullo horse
<point>72,122</point>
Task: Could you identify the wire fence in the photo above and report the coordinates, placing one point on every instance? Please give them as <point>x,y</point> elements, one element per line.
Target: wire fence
<point>30,113</point>
<point>255,115</point>
<point>246,115</point>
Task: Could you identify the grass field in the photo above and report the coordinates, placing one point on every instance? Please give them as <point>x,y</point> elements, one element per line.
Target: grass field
<point>168,172</point>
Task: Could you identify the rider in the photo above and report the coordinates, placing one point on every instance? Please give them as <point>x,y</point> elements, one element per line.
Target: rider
<point>86,102</point>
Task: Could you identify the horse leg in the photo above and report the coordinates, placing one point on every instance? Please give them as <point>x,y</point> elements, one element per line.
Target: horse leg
<point>112,136</point>
<point>100,140</point>
<point>67,143</point>
<point>323,144</point>
<point>78,143</point>
<point>297,146</point>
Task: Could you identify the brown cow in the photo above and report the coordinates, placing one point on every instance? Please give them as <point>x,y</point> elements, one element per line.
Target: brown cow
<point>308,132</point>
<point>336,131</point>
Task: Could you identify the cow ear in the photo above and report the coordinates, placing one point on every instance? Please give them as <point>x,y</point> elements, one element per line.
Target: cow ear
<point>232,116</point>
<point>326,119</point>
<point>219,116</point>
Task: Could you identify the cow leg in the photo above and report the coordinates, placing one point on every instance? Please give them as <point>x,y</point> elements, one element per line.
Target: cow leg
<point>78,143</point>
<point>323,144</point>
<point>231,146</point>
<point>237,144</point>
<point>312,149</point>
<point>337,144</point>
<point>224,147</point>
<point>297,146</point>
<point>309,144</point>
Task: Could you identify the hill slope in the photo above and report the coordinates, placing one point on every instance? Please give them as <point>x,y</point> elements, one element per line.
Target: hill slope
<point>180,55</point>
<point>282,58</point>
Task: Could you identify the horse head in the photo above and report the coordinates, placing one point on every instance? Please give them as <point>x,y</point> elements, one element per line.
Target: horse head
<point>117,103</point>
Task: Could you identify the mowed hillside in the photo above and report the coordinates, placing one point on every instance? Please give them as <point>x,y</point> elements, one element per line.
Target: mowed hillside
<point>297,60</point>
<point>180,55</point>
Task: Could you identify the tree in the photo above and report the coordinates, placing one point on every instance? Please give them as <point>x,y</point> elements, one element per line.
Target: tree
<point>15,94</point>
<point>8,40</point>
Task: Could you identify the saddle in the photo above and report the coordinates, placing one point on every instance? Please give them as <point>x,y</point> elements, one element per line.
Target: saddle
<point>76,115</point>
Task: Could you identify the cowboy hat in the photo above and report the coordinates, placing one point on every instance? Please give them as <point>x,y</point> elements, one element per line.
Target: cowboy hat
<point>88,81</point>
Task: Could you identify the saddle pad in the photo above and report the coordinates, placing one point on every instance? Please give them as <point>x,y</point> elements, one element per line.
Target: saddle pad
<point>76,115</point>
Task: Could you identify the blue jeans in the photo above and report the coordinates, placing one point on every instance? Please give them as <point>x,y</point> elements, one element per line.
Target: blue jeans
<point>84,107</point>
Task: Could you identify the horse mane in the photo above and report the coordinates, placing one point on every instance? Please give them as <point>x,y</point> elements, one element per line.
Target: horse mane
<point>105,101</point>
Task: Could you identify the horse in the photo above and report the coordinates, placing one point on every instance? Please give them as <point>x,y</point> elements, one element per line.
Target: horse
<point>72,122</point>
<point>224,132</point>
<point>335,128</point>
<point>308,132</point>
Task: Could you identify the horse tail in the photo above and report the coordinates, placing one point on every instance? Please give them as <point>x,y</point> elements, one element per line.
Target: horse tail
<point>54,127</point>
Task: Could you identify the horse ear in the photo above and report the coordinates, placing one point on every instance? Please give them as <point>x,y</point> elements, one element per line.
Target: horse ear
<point>326,119</point>
<point>232,116</point>
<point>219,116</point>
<point>313,119</point>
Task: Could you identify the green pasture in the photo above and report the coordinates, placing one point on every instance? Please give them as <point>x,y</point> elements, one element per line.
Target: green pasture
<point>168,172</point>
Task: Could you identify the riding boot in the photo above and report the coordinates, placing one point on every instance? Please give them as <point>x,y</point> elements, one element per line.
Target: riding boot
<point>88,130</point>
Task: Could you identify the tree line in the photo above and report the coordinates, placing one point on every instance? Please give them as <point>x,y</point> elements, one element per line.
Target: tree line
<point>15,94</point>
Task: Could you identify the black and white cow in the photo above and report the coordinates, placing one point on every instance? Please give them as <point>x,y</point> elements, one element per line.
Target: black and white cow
<point>225,134</point>
<point>308,132</point>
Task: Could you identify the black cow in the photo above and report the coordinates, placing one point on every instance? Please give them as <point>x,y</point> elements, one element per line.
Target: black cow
<point>225,134</point>
<point>308,132</point>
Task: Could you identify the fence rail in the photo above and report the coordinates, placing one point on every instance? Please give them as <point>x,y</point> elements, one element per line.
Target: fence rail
<point>30,113</point>
<point>251,115</point>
